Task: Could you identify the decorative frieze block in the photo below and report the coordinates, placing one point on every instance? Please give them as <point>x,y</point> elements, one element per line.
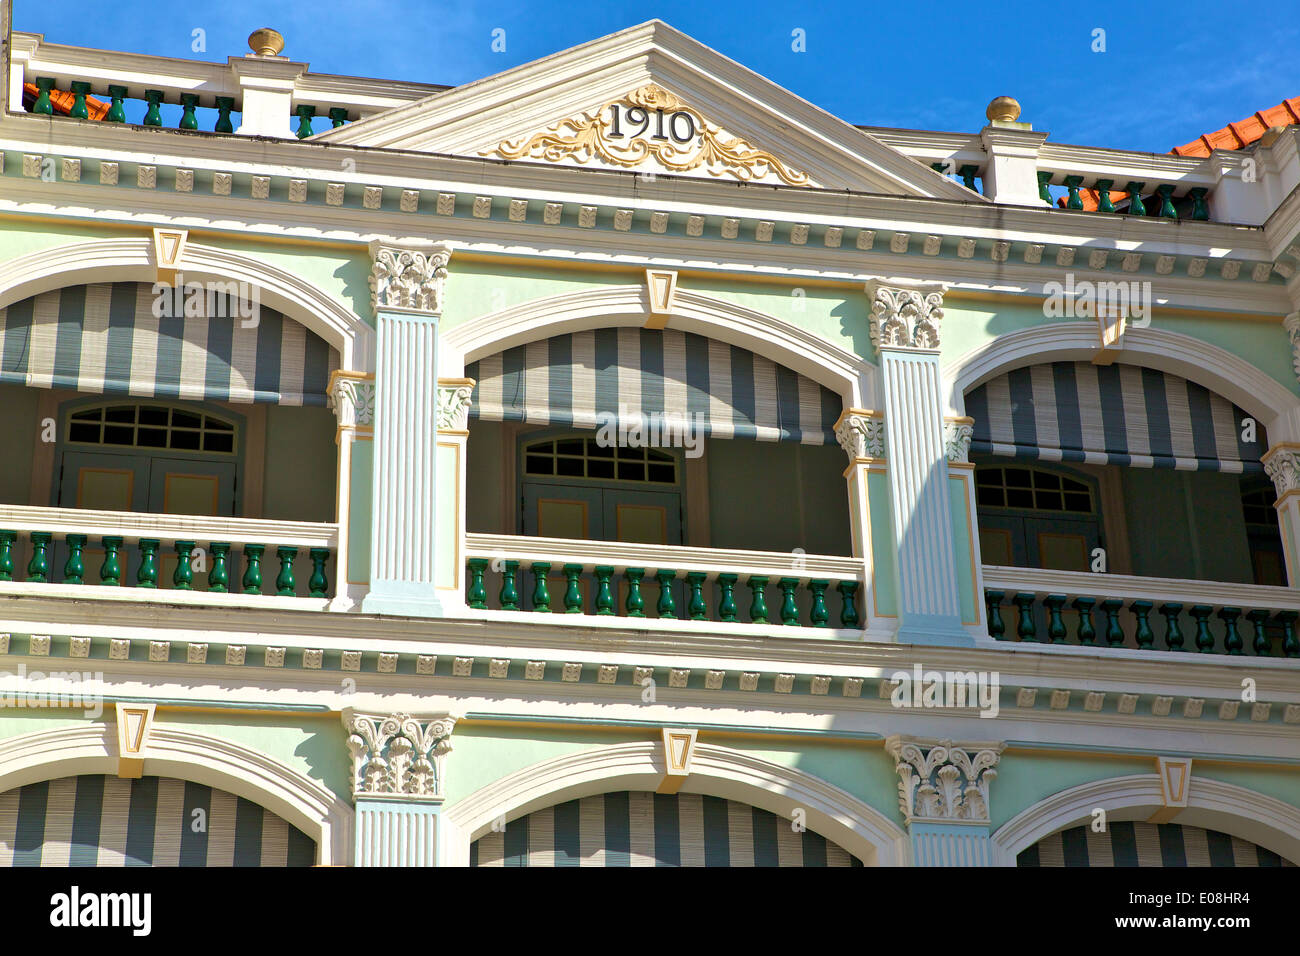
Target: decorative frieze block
<point>861,435</point>
<point>552,212</point>
<point>398,756</point>
<point>957,434</point>
<point>943,781</point>
<point>905,316</point>
<point>453,404</point>
<point>408,277</point>
<point>108,173</point>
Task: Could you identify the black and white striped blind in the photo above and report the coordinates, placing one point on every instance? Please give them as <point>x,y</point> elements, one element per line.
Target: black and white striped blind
<point>1146,844</point>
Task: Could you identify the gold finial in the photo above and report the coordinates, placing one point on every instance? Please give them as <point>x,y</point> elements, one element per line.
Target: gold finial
<point>1004,109</point>
<point>265,42</point>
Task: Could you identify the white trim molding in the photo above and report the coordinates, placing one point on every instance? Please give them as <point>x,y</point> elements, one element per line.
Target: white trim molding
<point>178,752</point>
<point>796,348</point>
<point>718,771</point>
<point>132,259</point>
<point>1211,804</point>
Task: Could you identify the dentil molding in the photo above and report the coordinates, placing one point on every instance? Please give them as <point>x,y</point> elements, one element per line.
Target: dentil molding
<point>408,276</point>
<point>943,782</point>
<point>905,314</point>
<point>398,756</point>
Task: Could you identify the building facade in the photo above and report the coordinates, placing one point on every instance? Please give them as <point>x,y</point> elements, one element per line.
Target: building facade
<point>621,461</point>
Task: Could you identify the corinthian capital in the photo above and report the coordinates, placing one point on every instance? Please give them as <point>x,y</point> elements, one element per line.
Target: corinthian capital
<point>398,755</point>
<point>957,434</point>
<point>454,396</point>
<point>905,314</point>
<point>943,781</point>
<point>408,276</point>
<point>353,398</point>
<point>1282,464</point>
<point>861,434</point>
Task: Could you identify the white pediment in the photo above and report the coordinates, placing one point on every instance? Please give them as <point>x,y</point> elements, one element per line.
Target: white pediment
<point>652,100</point>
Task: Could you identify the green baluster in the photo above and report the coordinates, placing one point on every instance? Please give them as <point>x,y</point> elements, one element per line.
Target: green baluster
<point>188,103</point>
<point>43,105</point>
<point>1204,639</point>
<point>727,610</point>
<point>152,117</point>
<point>1135,207</point>
<point>604,593</point>
<point>224,105</point>
<point>1231,636</point>
<point>79,90</point>
<point>635,603</point>
<point>74,569</point>
<point>1167,210</point>
<point>116,113</point>
<point>183,576</point>
<point>477,595</point>
<point>110,572</point>
<point>1290,643</point>
<point>1200,211</point>
<point>1084,631</point>
<point>1142,633</point>
<point>667,606</point>
<point>284,582</point>
<point>1114,633</point>
<point>219,574</point>
<point>305,113</point>
<point>509,596</point>
<point>939,168</point>
<point>7,541</point>
<point>572,593</point>
<point>338,116</point>
<point>1026,630</point>
<point>1044,193</point>
<point>1103,187</point>
<point>147,576</point>
<point>997,626</point>
<point>818,616</point>
<point>1072,183</point>
<point>789,608</point>
<point>967,172</point>
<point>1173,633</point>
<point>318,585</point>
<point>1055,626</point>
<point>38,568</point>
<point>541,596</point>
<point>848,607</point>
<point>758,603</point>
<point>697,608</point>
<point>252,582</point>
<point>1261,645</point>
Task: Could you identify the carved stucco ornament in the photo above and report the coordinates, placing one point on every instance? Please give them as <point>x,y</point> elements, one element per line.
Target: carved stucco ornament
<point>904,316</point>
<point>353,400</point>
<point>942,781</point>
<point>453,404</point>
<point>398,756</point>
<point>861,435</point>
<point>587,136</point>
<point>408,277</point>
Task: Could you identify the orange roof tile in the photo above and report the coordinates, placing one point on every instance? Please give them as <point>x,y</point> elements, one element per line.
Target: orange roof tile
<point>62,102</point>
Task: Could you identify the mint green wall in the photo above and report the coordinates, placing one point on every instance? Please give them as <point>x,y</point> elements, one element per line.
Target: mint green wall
<point>484,479</point>
<point>777,496</point>
<point>301,464</point>
<point>1186,525</point>
<point>481,288</point>
<point>837,315</point>
<point>1025,778</point>
<point>961,543</point>
<point>19,432</point>
<point>363,463</point>
<point>884,557</point>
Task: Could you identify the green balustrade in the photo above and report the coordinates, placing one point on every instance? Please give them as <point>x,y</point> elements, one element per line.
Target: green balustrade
<point>818,616</point>
<point>285,585</point>
<point>338,116</point>
<point>224,106</point>
<point>1026,630</point>
<point>476,597</point>
<point>1200,211</point>
<point>727,610</point>
<point>789,607</point>
<point>1290,643</point>
<point>147,575</point>
<point>1114,632</point>
<point>1260,643</point>
<point>1103,187</point>
<point>1204,639</point>
<point>80,88</point>
<point>509,596</point>
<point>604,592</point>
<point>110,572</point>
<point>305,114</point>
<point>997,627</point>
<point>758,601</point>
<point>189,101</point>
<point>541,596</point>
<point>667,606</point>
<point>1232,642</point>
<point>74,569</point>
<point>152,115</point>
<point>848,606</point>
<point>697,607</point>
<point>1166,193</point>
<point>1045,194</point>
<point>219,573</point>
<point>7,541</point>
<point>1143,636</point>
<point>183,576</point>
<point>1173,633</point>
<point>318,584</point>
<point>635,603</point>
<point>43,105</point>
<point>252,580</point>
<point>38,568</point>
<point>572,590</point>
<point>1084,631</point>
<point>1072,183</point>
<point>1055,625</point>
<point>116,111</point>
<point>1135,207</point>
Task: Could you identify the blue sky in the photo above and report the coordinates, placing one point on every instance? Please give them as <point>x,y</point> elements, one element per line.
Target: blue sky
<point>1170,71</point>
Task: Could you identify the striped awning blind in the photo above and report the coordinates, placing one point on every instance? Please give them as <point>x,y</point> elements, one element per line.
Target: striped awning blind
<point>1111,414</point>
<point>105,338</point>
<point>729,391</point>
<point>1125,843</point>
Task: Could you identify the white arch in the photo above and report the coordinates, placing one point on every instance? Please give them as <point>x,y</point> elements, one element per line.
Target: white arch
<point>131,259</point>
<point>798,349</point>
<point>1256,392</point>
<point>1211,805</point>
<point>717,771</point>
<point>177,752</point>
